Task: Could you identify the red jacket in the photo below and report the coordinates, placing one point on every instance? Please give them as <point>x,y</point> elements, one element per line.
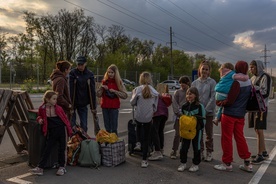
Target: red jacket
<point>59,112</point>
<point>110,103</point>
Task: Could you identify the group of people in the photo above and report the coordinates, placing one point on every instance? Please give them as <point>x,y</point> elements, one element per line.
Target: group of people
<point>57,114</point>
<point>72,91</point>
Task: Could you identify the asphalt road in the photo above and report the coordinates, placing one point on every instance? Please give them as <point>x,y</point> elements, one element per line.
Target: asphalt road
<point>14,168</point>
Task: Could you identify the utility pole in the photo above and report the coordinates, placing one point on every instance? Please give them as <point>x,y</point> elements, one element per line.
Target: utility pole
<point>265,56</point>
<point>171,42</point>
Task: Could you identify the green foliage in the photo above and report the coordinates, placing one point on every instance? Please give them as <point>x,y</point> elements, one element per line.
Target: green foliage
<point>28,85</point>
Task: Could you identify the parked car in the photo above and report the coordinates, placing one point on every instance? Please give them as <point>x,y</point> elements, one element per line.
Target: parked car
<point>128,82</point>
<point>172,84</point>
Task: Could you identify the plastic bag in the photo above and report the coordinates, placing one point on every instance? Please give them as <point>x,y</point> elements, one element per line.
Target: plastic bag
<point>105,137</point>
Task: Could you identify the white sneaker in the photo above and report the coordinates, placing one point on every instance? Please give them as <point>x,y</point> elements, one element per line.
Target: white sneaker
<point>181,167</point>
<point>144,164</point>
<point>209,157</point>
<point>194,168</point>
<point>138,146</point>
<point>223,167</point>
<point>156,155</point>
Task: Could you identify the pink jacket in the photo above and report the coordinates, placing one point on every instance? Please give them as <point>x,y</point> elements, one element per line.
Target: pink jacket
<point>60,112</point>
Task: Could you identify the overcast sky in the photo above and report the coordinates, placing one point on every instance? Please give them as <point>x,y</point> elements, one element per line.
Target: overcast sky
<point>228,30</point>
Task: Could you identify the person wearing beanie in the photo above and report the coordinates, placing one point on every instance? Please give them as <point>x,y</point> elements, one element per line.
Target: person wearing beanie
<point>79,92</point>
<point>232,122</point>
<point>257,120</point>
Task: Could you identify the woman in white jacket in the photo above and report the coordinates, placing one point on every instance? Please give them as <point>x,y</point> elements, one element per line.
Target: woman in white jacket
<point>145,100</point>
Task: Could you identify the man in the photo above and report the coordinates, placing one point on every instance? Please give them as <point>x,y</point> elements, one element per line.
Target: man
<point>80,93</point>
<point>261,81</point>
<point>232,122</point>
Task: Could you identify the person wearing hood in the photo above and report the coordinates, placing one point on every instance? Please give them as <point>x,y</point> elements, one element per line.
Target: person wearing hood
<point>61,87</point>
<point>145,100</point>
<point>233,120</point>
<point>258,120</point>
<point>79,92</point>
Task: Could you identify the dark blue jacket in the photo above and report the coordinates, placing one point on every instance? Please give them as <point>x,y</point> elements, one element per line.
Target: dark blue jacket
<point>82,97</point>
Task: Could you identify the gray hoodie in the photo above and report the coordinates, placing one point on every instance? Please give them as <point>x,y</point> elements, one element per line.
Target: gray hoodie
<point>145,108</point>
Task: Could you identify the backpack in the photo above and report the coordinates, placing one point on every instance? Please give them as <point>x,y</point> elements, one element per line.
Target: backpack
<point>90,154</point>
<point>187,126</point>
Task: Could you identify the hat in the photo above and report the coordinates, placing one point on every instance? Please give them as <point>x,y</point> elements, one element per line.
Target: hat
<point>81,60</point>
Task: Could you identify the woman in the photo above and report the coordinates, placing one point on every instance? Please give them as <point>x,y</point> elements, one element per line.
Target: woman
<point>61,87</point>
<point>206,88</point>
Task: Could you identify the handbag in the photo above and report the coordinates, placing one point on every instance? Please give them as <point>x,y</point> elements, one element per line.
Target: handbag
<point>255,102</point>
<point>187,126</point>
<point>113,154</point>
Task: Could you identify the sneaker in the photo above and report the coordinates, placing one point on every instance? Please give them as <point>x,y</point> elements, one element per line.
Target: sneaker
<point>258,160</point>
<point>144,164</point>
<point>181,167</point>
<point>61,171</point>
<point>173,154</point>
<point>209,157</point>
<point>156,155</point>
<point>223,167</point>
<point>265,155</point>
<point>37,171</point>
<point>194,168</point>
<point>247,168</point>
<point>138,146</point>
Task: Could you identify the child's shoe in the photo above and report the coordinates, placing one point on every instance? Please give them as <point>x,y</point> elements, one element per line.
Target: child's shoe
<point>37,171</point>
<point>194,168</point>
<point>61,171</point>
<point>173,154</point>
<point>258,160</point>
<point>224,167</point>
<point>181,167</point>
<point>156,155</point>
<point>144,164</point>
<point>138,146</point>
<point>247,168</point>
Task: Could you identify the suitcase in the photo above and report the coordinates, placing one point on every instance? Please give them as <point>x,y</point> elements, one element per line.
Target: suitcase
<point>131,127</point>
<point>37,143</point>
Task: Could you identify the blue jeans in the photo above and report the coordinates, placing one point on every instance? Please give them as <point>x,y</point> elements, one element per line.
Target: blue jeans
<point>82,112</point>
<point>110,117</point>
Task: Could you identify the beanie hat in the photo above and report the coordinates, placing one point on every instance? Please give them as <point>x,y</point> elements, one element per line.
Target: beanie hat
<point>241,67</point>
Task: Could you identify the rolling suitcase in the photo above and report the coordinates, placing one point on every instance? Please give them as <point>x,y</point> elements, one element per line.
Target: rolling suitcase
<point>131,126</point>
<point>37,143</point>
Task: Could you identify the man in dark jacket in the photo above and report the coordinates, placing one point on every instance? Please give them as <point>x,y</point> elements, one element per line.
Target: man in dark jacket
<point>80,93</point>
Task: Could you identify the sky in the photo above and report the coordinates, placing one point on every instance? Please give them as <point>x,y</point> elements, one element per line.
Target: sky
<point>228,30</point>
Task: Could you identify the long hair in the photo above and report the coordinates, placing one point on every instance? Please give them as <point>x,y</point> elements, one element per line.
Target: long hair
<point>63,65</point>
<point>185,80</point>
<point>48,95</point>
<point>194,91</point>
<point>117,77</point>
<point>145,79</point>
<point>207,63</point>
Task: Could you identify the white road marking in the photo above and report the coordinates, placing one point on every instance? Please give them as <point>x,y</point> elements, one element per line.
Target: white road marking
<point>260,172</point>
<point>18,179</point>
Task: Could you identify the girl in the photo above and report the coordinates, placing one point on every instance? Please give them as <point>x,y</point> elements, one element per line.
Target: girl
<point>206,88</point>
<point>145,98</point>
<point>56,126</point>
<point>60,85</point>
<point>192,107</point>
<point>111,90</point>
<point>179,98</point>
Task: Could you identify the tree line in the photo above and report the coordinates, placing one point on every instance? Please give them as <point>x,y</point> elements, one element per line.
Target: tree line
<point>66,35</point>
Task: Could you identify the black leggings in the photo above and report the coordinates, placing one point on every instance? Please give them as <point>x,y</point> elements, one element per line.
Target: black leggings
<point>143,136</point>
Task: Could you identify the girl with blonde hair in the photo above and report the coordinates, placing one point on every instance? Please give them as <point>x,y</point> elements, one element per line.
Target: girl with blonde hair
<point>111,90</point>
<point>145,99</point>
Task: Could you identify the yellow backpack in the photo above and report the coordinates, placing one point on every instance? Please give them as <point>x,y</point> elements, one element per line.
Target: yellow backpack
<point>187,126</point>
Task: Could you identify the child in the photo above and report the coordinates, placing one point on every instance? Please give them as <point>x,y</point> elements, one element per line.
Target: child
<point>111,90</point>
<point>145,98</point>
<point>56,126</point>
<point>192,107</point>
<point>179,98</point>
<point>223,86</point>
